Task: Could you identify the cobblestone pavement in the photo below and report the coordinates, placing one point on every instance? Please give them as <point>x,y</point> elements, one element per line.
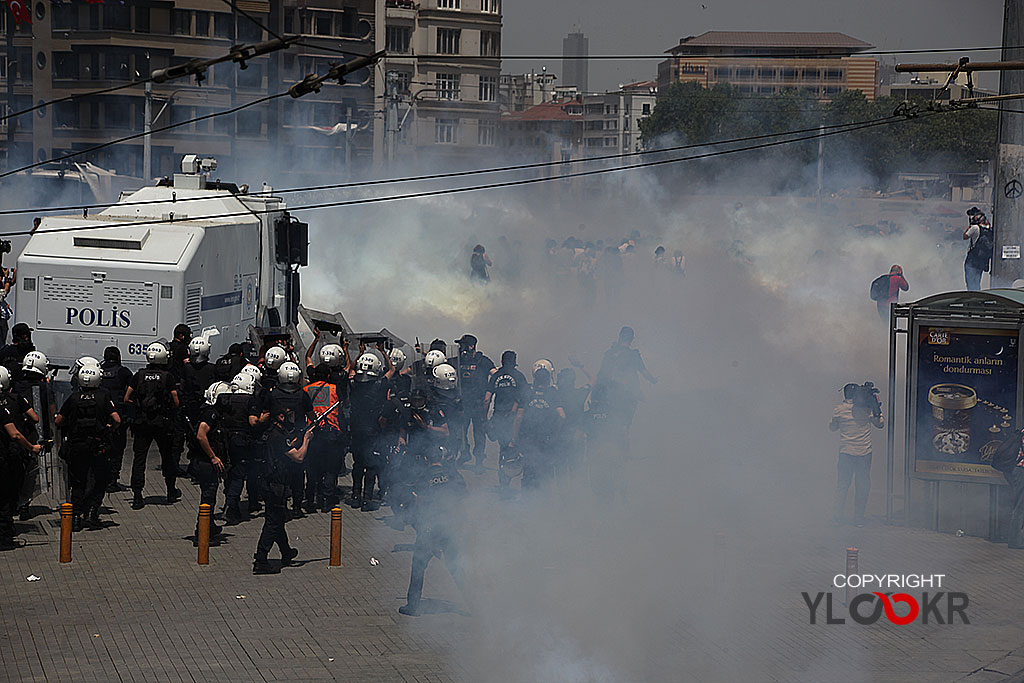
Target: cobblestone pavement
<point>134,606</point>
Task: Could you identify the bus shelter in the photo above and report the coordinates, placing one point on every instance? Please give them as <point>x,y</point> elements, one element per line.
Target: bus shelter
<point>960,376</point>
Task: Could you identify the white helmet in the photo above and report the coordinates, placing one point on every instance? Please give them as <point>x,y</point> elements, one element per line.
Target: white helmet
<point>90,377</point>
<point>397,357</point>
<point>250,369</point>
<point>434,358</point>
<point>215,390</point>
<point>5,378</point>
<point>288,373</point>
<point>35,361</point>
<point>445,377</point>
<point>547,365</point>
<point>368,366</point>
<point>199,349</point>
<point>157,354</point>
<point>274,357</point>
<point>331,355</point>
<point>243,383</point>
<point>83,362</point>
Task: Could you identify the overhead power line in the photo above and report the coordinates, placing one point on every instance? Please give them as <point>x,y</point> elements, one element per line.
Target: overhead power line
<point>488,186</point>
<point>462,174</point>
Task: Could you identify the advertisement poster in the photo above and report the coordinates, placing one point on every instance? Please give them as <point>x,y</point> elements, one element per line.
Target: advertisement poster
<point>966,400</point>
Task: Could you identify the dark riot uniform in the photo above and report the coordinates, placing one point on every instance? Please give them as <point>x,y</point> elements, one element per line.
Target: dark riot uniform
<point>87,416</point>
<point>507,386</point>
<point>12,464</point>
<point>474,375</point>
<point>276,496</point>
<point>116,380</point>
<point>178,352</point>
<point>439,492</point>
<point>154,420</point>
<point>36,390</point>
<point>196,379</point>
<point>448,402</point>
<point>244,451</point>
<point>537,433</point>
<point>200,465</point>
<point>367,405</point>
<point>297,404</point>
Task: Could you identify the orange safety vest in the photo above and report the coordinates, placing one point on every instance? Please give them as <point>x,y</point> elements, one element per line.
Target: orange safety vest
<point>324,395</point>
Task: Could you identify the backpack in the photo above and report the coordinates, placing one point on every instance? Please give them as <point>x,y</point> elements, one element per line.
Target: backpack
<point>880,287</point>
<point>153,398</point>
<point>980,255</point>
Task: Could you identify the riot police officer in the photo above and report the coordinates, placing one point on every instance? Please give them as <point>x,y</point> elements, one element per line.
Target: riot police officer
<point>13,449</point>
<point>228,365</point>
<point>506,388</point>
<point>178,350</point>
<point>207,452</point>
<point>273,359</point>
<point>281,453</point>
<point>474,374</point>
<point>32,384</point>
<point>239,415</point>
<point>12,355</point>
<point>367,394</point>
<point>438,496</point>
<point>537,423</point>
<point>87,417</point>
<point>116,380</point>
<point>324,456</point>
<point>153,393</point>
<point>401,381</point>
<point>288,397</point>
<point>445,397</point>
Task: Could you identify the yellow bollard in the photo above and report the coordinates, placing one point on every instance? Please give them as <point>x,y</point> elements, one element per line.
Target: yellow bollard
<point>335,537</point>
<point>203,534</point>
<point>65,532</point>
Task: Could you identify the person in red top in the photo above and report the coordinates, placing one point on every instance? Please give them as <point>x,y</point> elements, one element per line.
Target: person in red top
<point>896,283</point>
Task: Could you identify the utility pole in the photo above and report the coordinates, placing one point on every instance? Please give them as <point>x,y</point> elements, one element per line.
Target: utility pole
<point>392,116</point>
<point>348,143</point>
<point>275,20</point>
<point>147,141</point>
<point>1007,199</point>
<point>821,161</point>
<point>12,124</point>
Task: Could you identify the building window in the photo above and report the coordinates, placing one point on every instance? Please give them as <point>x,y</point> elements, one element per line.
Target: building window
<point>202,23</point>
<point>488,133</point>
<point>448,40</point>
<point>491,6</point>
<point>789,74</point>
<point>611,125</point>
<point>447,86</point>
<point>488,88</point>
<point>223,27</point>
<point>250,123</point>
<point>398,39</point>
<point>141,19</point>
<point>611,142</point>
<point>404,81</point>
<point>766,73</point>
<point>595,142</point>
<point>65,65</point>
<point>247,31</point>
<point>445,131</point>
<point>812,75</point>
<point>647,109</point>
<point>722,73</point>
<point>593,125</point>
<point>745,73</point>
<point>449,4</point>
<point>116,17</point>
<point>322,24</point>
<point>181,22</point>
<point>833,74</point>
<point>65,16</point>
<point>765,90</point>
<point>490,44</point>
<point>251,77</point>
<point>66,115</point>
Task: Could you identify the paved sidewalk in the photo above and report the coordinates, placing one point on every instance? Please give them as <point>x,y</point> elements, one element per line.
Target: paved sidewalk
<point>134,606</point>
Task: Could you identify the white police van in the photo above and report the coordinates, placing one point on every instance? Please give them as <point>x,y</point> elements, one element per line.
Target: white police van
<point>184,250</point>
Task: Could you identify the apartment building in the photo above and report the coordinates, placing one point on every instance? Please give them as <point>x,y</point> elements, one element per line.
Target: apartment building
<point>767,62</point>
<point>446,55</point>
<point>611,121</point>
<point>73,48</point>
<point>519,92</point>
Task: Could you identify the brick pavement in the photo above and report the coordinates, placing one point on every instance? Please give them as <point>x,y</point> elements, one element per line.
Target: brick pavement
<point>134,606</point>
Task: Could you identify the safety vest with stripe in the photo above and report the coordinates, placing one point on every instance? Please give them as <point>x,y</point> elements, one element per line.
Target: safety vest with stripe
<point>324,395</point>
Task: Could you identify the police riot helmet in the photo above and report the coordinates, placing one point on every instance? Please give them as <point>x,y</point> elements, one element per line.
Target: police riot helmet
<point>434,358</point>
<point>35,361</point>
<point>368,367</point>
<point>76,367</point>
<point>546,364</point>
<point>243,383</point>
<point>445,377</point>
<point>157,354</point>
<point>274,357</point>
<point>90,377</point>
<point>5,378</point>
<point>199,349</point>
<point>331,355</point>
<point>397,357</point>
<point>250,369</point>
<point>289,374</point>
<point>215,390</point>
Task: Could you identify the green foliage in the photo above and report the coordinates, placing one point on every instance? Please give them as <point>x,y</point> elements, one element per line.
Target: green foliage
<point>688,113</point>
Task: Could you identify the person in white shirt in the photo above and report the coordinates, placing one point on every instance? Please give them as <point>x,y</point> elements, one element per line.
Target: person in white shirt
<point>854,422</point>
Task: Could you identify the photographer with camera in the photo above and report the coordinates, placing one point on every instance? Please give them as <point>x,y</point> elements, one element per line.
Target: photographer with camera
<point>979,253</point>
<point>853,419</point>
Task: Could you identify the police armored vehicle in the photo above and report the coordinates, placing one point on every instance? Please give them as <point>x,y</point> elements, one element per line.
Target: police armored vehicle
<point>187,249</point>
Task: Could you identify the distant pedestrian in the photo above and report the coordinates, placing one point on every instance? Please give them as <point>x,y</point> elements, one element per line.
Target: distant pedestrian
<point>853,420</point>
<point>679,263</point>
<point>979,253</point>
<point>891,285</point>
<point>479,263</point>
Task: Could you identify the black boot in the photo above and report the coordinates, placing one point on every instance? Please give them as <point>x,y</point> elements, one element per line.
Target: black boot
<point>94,518</point>
<point>138,502</point>
<point>173,494</point>
<point>76,522</point>
<point>262,566</point>
<point>287,556</point>
<point>232,515</point>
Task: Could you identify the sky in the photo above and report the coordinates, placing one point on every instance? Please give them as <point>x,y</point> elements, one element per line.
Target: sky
<point>536,27</point>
